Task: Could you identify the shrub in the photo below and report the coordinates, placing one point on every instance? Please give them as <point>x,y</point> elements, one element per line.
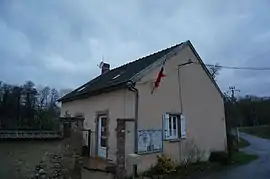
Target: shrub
<point>164,166</point>
<point>220,157</point>
<point>194,154</point>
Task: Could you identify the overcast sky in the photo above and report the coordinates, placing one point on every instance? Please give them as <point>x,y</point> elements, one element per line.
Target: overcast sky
<point>60,42</point>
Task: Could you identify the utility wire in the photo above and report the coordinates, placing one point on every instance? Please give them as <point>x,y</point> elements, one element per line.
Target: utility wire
<point>215,65</point>
<point>239,68</point>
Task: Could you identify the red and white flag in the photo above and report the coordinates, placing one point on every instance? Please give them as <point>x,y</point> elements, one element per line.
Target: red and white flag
<point>159,77</point>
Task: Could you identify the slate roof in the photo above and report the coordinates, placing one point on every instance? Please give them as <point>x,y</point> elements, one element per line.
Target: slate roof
<point>115,78</point>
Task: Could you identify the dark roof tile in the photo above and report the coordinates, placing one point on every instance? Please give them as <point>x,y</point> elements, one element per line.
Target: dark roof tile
<point>116,76</point>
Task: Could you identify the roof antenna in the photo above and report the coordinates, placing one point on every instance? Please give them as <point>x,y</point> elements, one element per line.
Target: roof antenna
<point>100,65</point>
<point>105,67</point>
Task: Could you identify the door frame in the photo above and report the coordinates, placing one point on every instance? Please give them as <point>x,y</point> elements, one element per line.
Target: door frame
<point>98,115</point>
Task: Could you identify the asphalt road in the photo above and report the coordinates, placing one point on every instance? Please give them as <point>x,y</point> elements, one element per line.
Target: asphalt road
<point>258,169</point>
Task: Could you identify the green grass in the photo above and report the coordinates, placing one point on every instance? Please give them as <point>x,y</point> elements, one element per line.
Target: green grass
<point>241,158</point>
<point>243,143</point>
<point>259,131</point>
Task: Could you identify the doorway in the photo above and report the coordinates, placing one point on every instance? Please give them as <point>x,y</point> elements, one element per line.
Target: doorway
<point>102,131</point>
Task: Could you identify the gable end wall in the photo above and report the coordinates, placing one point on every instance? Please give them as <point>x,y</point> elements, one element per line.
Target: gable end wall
<point>202,106</point>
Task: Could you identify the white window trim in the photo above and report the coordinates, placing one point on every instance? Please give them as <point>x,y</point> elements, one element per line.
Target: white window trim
<point>169,133</point>
<point>183,126</point>
<point>171,120</point>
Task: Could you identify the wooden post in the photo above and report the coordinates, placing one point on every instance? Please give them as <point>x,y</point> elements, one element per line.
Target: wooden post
<point>120,161</point>
<point>237,132</point>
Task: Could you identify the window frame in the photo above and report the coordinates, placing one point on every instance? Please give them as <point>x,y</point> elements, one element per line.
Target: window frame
<point>172,126</point>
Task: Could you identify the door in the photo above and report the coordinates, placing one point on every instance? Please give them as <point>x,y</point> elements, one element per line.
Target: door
<point>102,136</point>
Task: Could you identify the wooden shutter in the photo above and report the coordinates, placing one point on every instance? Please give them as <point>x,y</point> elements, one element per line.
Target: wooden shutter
<point>166,118</point>
<point>183,126</point>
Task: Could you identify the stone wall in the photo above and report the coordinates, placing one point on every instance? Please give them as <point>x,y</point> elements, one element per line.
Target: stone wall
<point>66,163</point>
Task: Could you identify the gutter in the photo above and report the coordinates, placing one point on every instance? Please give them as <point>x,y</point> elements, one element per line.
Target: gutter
<point>131,87</point>
<point>68,98</point>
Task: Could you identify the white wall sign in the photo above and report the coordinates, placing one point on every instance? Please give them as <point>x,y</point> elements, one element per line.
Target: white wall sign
<point>149,141</point>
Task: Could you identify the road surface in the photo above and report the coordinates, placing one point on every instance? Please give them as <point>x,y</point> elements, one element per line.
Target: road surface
<point>258,169</point>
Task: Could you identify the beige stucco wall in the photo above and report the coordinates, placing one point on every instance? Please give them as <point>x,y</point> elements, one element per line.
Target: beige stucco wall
<point>202,106</point>
<point>119,104</point>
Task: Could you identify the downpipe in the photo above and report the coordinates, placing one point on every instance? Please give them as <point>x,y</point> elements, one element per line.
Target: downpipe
<point>131,87</point>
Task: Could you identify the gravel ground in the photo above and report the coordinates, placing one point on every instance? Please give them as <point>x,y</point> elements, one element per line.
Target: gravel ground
<point>19,158</point>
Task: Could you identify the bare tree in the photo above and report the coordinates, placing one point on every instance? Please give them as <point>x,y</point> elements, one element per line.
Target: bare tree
<point>26,107</point>
<point>44,94</point>
<point>214,70</point>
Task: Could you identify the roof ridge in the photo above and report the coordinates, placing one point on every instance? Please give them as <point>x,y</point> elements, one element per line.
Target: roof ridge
<point>173,46</point>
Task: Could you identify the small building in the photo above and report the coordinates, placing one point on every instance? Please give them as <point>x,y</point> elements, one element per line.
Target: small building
<point>168,102</point>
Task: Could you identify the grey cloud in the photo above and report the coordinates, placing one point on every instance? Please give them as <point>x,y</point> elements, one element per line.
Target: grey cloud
<point>61,42</point>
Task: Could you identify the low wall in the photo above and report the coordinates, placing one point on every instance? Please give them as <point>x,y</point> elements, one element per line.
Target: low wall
<point>6,134</point>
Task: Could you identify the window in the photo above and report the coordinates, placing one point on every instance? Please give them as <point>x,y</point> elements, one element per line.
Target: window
<point>80,89</point>
<point>116,76</point>
<point>174,126</point>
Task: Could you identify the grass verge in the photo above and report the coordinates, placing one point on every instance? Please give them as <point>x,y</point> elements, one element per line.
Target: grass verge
<point>196,170</point>
<point>259,131</point>
<point>193,170</point>
<point>241,158</point>
<point>203,169</point>
<point>243,143</point>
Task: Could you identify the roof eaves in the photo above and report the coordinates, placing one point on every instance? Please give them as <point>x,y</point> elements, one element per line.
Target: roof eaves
<point>73,92</point>
<point>117,86</point>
